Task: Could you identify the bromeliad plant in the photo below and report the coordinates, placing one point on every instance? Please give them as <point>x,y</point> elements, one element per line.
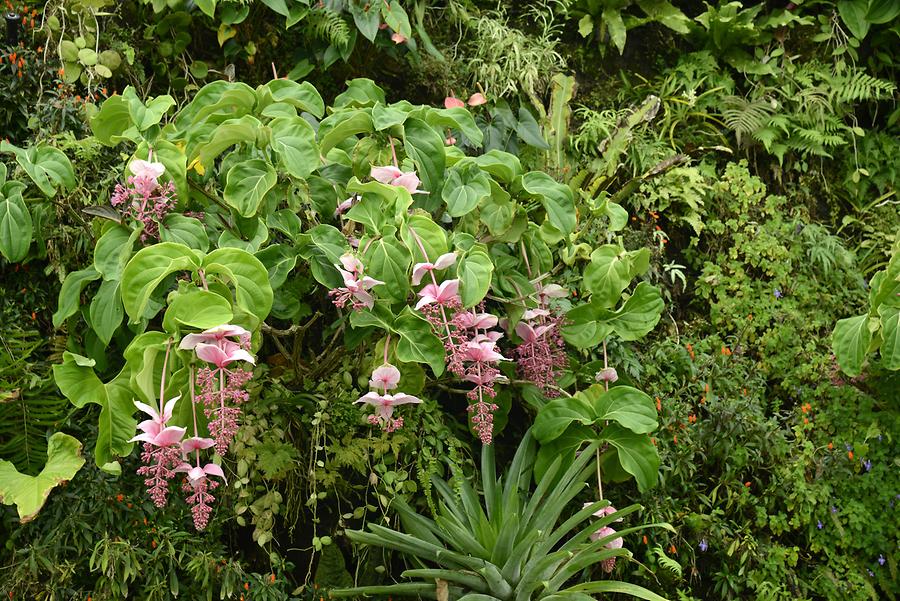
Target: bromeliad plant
<point>511,545</point>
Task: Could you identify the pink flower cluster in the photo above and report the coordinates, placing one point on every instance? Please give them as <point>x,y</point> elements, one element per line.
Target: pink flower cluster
<point>386,377</point>
<point>616,543</point>
<point>541,355</point>
<point>144,198</point>
<point>356,286</point>
<point>221,389</point>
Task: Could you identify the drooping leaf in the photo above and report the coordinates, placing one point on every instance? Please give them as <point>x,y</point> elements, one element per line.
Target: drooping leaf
<point>850,342</point>
<point>29,493</point>
<point>247,184</point>
<point>147,269</point>
<point>15,228</point>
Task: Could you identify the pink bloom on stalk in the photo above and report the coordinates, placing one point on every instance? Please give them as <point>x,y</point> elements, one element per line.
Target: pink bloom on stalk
<point>452,102</point>
<point>476,99</point>
<point>607,374</point>
<point>483,352</point>
<point>616,543</point>
<point>530,334</point>
<point>471,320</point>
<point>420,269</point>
<point>398,38</point>
<point>222,354</point>
<point>345,206</point>
<point>550,291</point>
<point>146,169</point>
<point>442,294</point>
<point>394,177</point>
<point>155,431</point>
<point>385,377</point>
<point>488,337</point>
<point>534,313</point>
<point>196,443</point>
<point>197,474</point>
<point>384,405</point>
<point>216,335</point>
<point>356,286</point>
<point>351,264</point>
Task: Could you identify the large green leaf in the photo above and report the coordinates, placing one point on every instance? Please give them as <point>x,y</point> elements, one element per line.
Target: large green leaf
<point>106,310</point>
<point>474,271</point>
<point>15,228</point>
<point>607,276</point>
<point>466,186</point>
<point>388,260</point>
<point>28,493</point>
<point>253,292</point>
<point>337,127</point>
<point>247,184</point>
<point>112,123</point>
<point>49,168</point>
<point>302,95</point>
<point>70,293</point>
<point>418,344</point>
<point>640,313</point>
<point>850,342</point>
<point>147,269</point>
<point>144,116</point>
<point>853,14</point>
<point>890,334</point>
<point>557,415</point>
<point>243,130</point>
<point>628,406</point>
<point>112,251</point>
<point>456,118</point>
<point>424,146</point>
<point>420,229</point>
<point>556,198</point>
<point>294,140</point>
<point>188,231</point>
<point>200,309</point>
<point>78,383</point>
<point>636,453</point>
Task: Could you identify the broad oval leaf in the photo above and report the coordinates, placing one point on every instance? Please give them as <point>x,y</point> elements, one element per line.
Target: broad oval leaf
<point>147,269</point>
<point>247,184</point>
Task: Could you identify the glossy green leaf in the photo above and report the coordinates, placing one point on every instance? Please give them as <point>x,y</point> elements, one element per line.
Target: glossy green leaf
<point>243,130</point>
<point>147,269</point>
<point>112,251</point>
<point>850,342</point>
<point>78,383</point>
<point>556,198</point>
<point>106,311</point>
<point>199,309</point>
<point>247,184</point>
<point>418,344</point>
<point>502,165</point>
<point>247,274</point>
<point>629,407</point>
<point>70,294</point>
<point>15,228</point>
<point>465,187</point>
<point>188,231</point>
<point>474,270</point>
<point>294,140</point>
<point>49,168</point>
<point>337,127</point>
<point>607,276</point>
<point>557,415</point>
<point>424,146</point>
<point>29,493</point>
<point>638,316</point>
<point>636,453</point>
<point>890,334</point>
<point>388,260</point>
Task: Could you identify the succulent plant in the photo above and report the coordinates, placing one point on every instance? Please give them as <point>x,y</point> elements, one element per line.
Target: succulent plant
<point>507,545</point>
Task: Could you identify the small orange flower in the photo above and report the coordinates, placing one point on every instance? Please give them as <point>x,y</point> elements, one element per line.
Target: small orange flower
<point>33,316</point>
<point>120,497</point>
<point>145,521</point>
<point>830,445</point>
<point>703,400</point>
<point>645,539</point>
<point>706,387</point>
<point>658,229</point>
<point>272,578</point>
<point>692,418</point>
<point>103,90</point>
<point>675,439</point>
<point>744,391</point>
<point>658,404</point>
<point>129,505</point>
<point>747,484</point>
<point>40,49</point>
<point>12,57</point>
<point>726,351</point>
<point>653,440</point>
<point>850,454</point>
<point>673,550</point>
<point>19,74</point>
<point>153,543</point>
<point>61,72</point>
<point>805,420</point>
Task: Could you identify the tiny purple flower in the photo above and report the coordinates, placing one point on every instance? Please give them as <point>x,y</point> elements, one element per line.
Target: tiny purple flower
<point>703,545</point>
<point>820,525</point>
<point>777,293</point>
<point>848,446</point>
<point>881,559</point>
<point>871,573</point>
<point>833,509</point>
<point>868,465</point>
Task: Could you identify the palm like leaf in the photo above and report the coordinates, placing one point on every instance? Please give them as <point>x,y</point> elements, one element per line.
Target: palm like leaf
<point>507,545</point>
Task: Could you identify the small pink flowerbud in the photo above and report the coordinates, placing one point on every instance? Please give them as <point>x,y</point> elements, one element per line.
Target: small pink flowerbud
<point>607,374</point>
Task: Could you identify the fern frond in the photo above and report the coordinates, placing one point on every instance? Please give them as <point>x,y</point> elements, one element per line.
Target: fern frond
<point>329,26</point>
<point>861,86</point>
<point>744,116</point>
<point>667,562</point>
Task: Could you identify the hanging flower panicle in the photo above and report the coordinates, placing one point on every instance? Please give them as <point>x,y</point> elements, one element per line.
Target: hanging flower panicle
<point>162,450</point>
<point>356,285</point>
<point>541,356</point>
<point>386,377</point>
<point>222,387</point>
<point>616,543</point>
<point>143,198</point>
